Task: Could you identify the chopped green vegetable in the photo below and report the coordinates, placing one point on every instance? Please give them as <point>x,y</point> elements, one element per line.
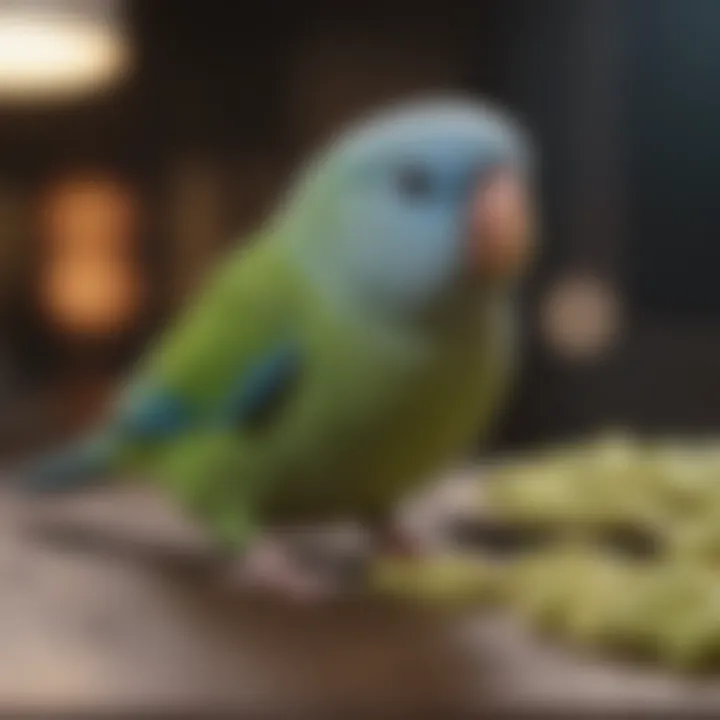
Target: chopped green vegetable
<point>633,563</point>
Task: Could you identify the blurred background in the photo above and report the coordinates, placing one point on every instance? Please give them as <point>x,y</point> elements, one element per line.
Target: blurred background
<point>139,139</point>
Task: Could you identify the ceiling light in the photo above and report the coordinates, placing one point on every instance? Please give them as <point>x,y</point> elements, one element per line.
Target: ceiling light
<point>60,48</point>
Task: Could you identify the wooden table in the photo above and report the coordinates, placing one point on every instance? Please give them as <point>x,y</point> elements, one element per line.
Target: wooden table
<point>110,602</point>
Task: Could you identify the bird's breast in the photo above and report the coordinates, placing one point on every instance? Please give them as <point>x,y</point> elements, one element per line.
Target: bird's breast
<point>378,418</point>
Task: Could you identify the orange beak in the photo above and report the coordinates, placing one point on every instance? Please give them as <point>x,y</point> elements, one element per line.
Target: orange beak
<point>501,226</point>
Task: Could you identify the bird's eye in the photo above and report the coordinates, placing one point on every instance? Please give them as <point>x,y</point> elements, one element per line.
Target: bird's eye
<point>414,182</point>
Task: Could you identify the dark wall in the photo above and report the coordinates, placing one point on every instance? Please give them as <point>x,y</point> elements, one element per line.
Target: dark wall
<point>226,98</point>
<point>673,121</point>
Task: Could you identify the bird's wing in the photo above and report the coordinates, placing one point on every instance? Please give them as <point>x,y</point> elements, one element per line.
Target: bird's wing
<point>230,360</point>
<point>228,363</point>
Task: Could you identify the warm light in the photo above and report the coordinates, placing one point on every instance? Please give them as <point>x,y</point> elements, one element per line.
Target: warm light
<point>90,284</point>
<point>60,48</point>
<point>581,317</point>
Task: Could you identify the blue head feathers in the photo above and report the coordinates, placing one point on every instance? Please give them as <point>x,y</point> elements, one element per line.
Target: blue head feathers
<point>392,208</point>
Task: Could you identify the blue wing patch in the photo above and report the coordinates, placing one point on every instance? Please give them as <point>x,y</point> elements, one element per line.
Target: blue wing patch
<point>259,393</point>
<point>154,415</point>
<point>151,414</point>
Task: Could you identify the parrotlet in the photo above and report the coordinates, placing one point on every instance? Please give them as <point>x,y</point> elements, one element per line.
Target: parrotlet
<point>350,348</point>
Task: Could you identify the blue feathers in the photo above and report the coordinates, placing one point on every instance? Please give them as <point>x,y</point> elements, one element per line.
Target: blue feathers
<point>70,469</point>
<point>262,387</point>
<point>154,415</point>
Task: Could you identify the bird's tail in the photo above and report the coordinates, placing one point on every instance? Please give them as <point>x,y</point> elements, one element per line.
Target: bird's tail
<point>70,469</point>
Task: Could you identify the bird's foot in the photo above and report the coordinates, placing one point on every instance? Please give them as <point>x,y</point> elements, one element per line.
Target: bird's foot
<point>398,542</point>
<point>392,546</point>
<point>269,568</point>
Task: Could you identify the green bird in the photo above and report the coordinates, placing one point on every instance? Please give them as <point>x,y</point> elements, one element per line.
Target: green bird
<point>351,348</point>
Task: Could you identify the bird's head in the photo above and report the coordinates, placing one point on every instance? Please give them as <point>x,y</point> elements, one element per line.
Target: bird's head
<point>419,201</point>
